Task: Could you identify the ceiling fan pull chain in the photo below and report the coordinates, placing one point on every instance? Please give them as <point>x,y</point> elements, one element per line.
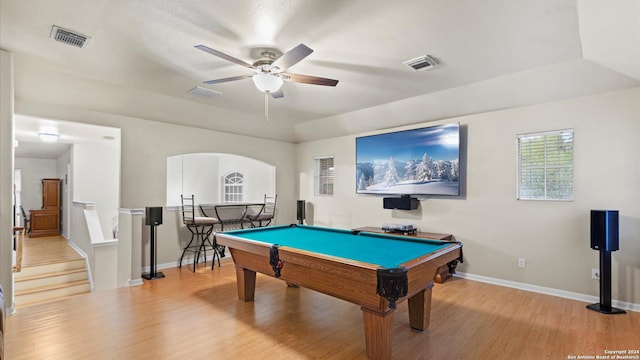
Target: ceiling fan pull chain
<point>266,106</point>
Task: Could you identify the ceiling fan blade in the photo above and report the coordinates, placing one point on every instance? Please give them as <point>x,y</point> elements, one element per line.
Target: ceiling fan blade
<point>291,58</point>
<point>223,56</point>
<point>233,78</point>
<point>278,94</point>
<point>308,79</point>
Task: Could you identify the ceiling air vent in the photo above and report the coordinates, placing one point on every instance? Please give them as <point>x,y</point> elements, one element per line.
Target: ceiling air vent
<point>421,63</point>
<point>204,92</point>
<point>69,37</point>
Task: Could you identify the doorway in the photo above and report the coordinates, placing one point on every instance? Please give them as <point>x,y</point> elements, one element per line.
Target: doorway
<point>86,160</point>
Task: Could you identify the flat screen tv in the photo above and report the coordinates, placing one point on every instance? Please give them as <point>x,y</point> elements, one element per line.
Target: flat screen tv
<point>422,161</point>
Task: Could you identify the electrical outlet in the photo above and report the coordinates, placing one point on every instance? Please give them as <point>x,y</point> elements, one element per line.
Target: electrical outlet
<point>521,263</point>
<point>595,274</point>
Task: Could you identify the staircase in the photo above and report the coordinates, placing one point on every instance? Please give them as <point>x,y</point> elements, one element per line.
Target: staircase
<point>49,282</point>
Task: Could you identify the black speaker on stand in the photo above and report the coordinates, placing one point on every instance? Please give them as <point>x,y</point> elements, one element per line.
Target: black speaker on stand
<point>300,215</point>
<point>605,238</point>
<point>153,219</point>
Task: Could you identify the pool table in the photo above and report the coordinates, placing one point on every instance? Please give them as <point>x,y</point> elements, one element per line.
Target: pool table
<point>375,271</point>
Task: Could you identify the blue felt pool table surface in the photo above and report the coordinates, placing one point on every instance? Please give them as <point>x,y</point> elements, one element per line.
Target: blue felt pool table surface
<point>387,251</point>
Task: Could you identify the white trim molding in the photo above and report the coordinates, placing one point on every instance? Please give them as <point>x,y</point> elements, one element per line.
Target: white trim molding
<point>135,282</point>
<point>85,204</point>
<point>86,263</point>
<point>131,211</point>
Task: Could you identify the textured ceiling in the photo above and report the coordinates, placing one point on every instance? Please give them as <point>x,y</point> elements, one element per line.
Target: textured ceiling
<point>145,49</point>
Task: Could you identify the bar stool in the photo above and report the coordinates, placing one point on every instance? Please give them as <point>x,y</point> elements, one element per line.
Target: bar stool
<point>266,214</point>
<point>201,228</point>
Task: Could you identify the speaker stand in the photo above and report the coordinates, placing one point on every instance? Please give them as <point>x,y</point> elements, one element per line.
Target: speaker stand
<point>604,306</point>
<point>153,274</point>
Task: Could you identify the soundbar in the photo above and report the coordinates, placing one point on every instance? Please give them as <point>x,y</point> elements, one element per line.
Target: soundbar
<point>401,203</point>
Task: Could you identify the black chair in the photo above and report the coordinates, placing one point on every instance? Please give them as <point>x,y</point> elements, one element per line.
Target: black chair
<point>266,214</point>
<point>26,223</point>
<point>201,228</point>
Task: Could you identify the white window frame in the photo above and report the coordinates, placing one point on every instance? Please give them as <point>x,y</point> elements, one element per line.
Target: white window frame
<point>546,167</point>
<point>233,188</point>
<point>323,176</point>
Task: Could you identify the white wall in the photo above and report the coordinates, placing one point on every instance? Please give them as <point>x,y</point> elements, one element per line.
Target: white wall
<point>202,175</point>
<point>259,178</point>
<point>497,229</point>
<point>62,164</point>
<point>33,171</point>
<point>6,174</point>
<point>96,178</point>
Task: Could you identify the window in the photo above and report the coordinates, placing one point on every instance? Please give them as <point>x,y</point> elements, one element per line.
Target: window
<point>545,166</point>
<point>233,187</point>
<point>324,176</point>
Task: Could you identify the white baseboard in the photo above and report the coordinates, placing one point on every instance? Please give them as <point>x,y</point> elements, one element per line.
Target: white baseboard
<point>186,262</point>
<point>134,282</point>
<point>547,291</point>
<point>86,263</point>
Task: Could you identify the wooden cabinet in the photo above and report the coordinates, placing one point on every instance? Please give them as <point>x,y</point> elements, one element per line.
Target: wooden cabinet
<point>46,221</point>
<point>51,193</point>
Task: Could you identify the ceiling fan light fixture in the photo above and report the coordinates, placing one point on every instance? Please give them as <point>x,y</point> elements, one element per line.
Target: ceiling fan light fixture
<point>267,82</point>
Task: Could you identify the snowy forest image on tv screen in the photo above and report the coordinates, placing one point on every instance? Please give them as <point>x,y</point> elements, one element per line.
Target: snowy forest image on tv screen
<point>421,161</point>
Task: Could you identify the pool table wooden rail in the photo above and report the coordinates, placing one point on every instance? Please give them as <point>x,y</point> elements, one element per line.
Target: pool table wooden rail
<point>423,267</point>
<point>345,279</point>
<point>445,271</point>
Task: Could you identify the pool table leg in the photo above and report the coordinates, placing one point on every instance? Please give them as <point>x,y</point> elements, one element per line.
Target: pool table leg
<point>420,309</point>
<point>378,333</point>
<point>246,281</point>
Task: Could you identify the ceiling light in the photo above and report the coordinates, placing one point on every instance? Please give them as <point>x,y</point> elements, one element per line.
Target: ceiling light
<point>49,137</point>
<point>267,82</point>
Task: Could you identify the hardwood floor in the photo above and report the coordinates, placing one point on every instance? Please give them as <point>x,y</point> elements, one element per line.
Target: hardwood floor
<point>51,270</point>
<point>46,250</point>
<point>197,315</point>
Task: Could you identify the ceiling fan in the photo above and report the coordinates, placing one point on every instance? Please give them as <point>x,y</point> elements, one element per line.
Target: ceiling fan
<point>270,69</point>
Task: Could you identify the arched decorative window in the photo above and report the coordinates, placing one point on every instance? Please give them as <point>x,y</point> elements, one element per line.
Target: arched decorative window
<point>233,187</point>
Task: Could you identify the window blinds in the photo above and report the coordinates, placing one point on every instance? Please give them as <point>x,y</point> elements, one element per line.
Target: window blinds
<point>324,176</point>
<point>545,166</point>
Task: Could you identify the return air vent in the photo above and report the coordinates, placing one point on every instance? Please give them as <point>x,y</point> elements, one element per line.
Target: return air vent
<point>421,63</point>
<point>69,37</point>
